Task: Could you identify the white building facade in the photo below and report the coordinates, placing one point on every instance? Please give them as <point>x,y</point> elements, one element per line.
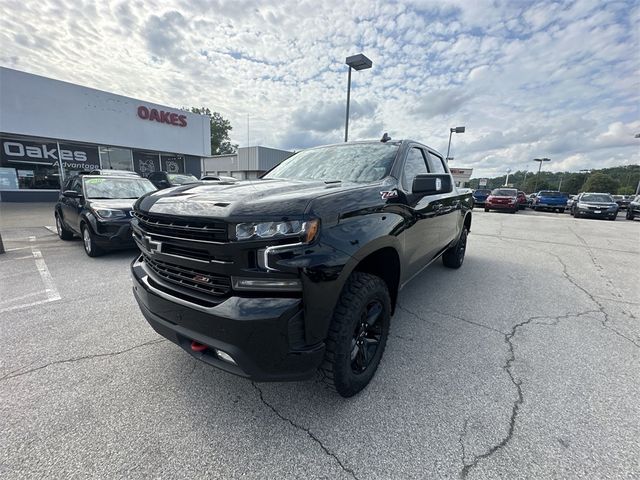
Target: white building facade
<point>51,129</point>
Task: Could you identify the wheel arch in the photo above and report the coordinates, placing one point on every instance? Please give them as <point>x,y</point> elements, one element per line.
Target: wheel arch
<point>384,263</point>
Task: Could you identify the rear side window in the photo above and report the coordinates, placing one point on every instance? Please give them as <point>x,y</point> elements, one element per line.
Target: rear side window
<point>415,165</point>
<point>436,164</point>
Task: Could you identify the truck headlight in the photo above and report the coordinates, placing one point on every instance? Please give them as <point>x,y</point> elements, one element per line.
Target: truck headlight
<point>109,213</point>
<point>264,230</point>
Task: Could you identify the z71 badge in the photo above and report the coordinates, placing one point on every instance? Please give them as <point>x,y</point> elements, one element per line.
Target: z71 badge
<point>389,194</point>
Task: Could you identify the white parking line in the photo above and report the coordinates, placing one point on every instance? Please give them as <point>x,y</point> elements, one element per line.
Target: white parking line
<point>47,279</point>
<point>21,297</point>
<point>49,286</point>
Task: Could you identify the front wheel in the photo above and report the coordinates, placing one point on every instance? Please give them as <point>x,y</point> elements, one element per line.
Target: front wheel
<point>629,214</point>
<point>486,209</point>
<point>562,210</point>
<point>358,334</point>
<point>454,256</point>
<point>88,240</point>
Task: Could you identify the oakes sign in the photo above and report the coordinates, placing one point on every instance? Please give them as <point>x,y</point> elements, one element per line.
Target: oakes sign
<point>75,157</point>
<point>161,116</point>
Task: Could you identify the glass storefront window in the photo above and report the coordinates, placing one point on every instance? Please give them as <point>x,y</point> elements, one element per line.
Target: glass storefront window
<point>172,163</point>
<point>29,164</point>
<point>116,158</point>
<point>146,162</point>
<point>78,158</point>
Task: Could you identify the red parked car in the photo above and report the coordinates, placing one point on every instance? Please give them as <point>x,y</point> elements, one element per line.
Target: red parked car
<point>502,199</point>
<point>522,200</point>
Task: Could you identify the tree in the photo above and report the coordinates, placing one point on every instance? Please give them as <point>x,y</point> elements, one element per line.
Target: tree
<point>542,184</point>
<point>220,128</point>
<point>600,182</point>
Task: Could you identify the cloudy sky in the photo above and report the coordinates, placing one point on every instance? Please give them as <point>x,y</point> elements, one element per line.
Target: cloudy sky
<point>559,79</point>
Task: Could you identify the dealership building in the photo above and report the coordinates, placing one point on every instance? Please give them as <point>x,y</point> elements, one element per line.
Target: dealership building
<point>50,130</point>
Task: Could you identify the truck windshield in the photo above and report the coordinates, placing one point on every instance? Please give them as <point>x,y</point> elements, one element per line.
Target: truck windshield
<point>358,163</point>
<point>111,187</point>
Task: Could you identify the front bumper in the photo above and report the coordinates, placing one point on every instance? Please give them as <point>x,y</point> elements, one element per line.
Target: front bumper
<point>501,206</point>
<point>262,335</point>
<point>113,234</point>
<point>550,206</point>
<point>602,214</point>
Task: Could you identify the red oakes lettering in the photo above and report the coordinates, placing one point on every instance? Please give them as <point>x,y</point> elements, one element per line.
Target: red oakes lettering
<point>161,116</point>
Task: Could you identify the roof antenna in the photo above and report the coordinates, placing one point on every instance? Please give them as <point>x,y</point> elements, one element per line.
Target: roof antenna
<point>385,138</point>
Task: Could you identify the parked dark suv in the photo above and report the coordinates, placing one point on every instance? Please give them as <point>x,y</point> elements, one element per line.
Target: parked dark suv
<point>273,278</point>
<point>166,180</point>
<point>98,209</point>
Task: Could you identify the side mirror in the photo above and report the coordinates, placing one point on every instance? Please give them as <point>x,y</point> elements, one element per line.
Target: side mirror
<point>163,184</point>
<point>71,194</point>
<point>432,184</point>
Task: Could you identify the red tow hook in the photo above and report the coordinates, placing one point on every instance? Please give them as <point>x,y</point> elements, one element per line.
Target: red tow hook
<point>198,347</point>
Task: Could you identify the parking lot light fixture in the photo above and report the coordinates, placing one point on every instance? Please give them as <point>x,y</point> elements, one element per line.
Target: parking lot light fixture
<point>355,62</point>
<point>453,130</point>
<point>540,160</point>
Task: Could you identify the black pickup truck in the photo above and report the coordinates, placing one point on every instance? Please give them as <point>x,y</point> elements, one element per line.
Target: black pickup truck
<point>299,271</point>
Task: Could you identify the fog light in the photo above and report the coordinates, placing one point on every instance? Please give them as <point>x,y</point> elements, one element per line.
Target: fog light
<point>225,356</point>
<point>288,285</point>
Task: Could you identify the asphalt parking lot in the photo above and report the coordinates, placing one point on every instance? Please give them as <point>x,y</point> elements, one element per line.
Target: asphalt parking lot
<point>525,363</point>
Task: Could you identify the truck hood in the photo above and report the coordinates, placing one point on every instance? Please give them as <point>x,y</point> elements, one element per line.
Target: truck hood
<point>269,199</point>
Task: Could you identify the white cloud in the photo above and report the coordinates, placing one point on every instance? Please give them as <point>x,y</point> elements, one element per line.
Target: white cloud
<point>552,78</point>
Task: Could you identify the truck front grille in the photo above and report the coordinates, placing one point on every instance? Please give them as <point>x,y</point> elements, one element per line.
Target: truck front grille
<point>197,280</point>
<point>186,229</point>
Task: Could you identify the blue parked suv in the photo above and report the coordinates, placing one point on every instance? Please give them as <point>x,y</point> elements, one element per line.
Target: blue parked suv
<point>480,196</point>
<point>550,200</point>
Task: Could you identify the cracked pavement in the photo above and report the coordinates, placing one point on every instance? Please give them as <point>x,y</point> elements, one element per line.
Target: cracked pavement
<point>525,363</point>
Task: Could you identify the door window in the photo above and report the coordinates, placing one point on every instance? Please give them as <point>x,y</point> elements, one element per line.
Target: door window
<point>414,165</point>
<point>436,164</point>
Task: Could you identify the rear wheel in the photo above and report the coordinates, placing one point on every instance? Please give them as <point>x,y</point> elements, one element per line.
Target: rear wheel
<point>63,232</point>
<point>88,240</point>
<point>486,209</point>
<point>562,210</point>
<point>629,214</point>
<point>576,214</point>
<point>454,256</point>
<point>358,334</point>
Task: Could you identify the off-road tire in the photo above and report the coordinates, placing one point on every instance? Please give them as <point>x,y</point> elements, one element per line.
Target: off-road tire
<point>454,256</point>
<point>63,232</point>
<point>360,290</point>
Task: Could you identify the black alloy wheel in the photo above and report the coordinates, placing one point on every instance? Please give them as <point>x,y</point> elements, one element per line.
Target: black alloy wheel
<point>366,337</point>
<point>357,335</point>
<point>454,256</point>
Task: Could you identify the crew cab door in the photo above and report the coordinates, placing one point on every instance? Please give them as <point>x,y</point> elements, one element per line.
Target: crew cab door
<point>422,233</point>
<point>449,211</point>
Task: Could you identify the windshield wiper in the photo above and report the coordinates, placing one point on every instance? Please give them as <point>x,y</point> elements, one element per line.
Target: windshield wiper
<point>333,181</point>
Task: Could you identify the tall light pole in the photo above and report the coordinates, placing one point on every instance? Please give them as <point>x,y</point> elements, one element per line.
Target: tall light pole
<point>560,185</point>
<point>540,160</point>
<point>453,130</point>
<point>506,180</point>
<point>525,179</point>
<point>355,62</point>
